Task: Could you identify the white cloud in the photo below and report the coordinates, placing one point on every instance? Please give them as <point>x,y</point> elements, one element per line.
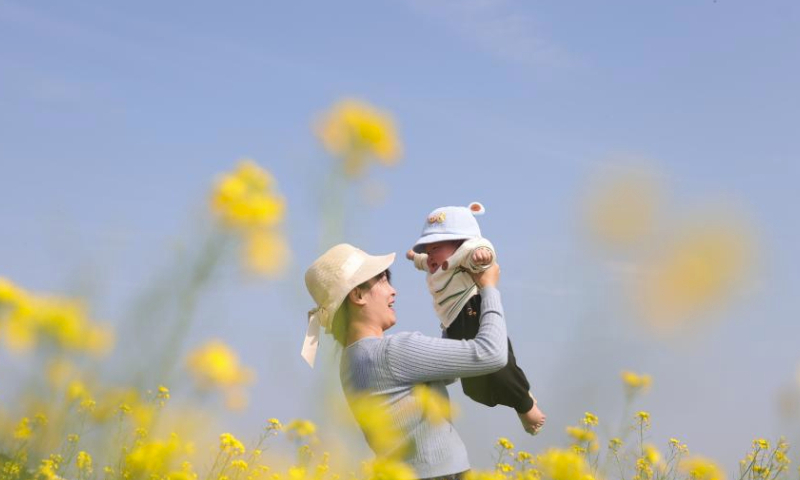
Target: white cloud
<point>496,27</point>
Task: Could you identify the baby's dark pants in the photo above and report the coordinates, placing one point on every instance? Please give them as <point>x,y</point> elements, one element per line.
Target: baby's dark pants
<point>507,386</point>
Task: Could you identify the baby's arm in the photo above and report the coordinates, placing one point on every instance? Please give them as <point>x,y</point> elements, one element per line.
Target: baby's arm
<point>420,260</point>
<point>475,255</point>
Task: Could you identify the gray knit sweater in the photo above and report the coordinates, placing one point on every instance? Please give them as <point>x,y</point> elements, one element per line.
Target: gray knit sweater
<point>391,366</point>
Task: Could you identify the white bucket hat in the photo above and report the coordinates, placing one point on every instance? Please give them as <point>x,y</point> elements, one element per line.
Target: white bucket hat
<point>450,223</point>
<point>329,279</point>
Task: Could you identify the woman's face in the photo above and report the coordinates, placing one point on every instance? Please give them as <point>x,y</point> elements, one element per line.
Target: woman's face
<point>379,300</point>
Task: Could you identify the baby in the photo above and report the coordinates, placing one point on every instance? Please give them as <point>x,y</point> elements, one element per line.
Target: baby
<point>449,248</point>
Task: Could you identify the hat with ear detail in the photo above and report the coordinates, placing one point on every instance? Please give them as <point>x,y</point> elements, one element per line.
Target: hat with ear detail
<point>329,279</point>
<point>450,223</point>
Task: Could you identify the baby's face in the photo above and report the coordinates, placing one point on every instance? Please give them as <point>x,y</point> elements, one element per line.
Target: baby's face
<point>438,252</point>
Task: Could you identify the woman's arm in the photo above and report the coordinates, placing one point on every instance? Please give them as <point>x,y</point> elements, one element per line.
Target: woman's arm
<point>414,357</point>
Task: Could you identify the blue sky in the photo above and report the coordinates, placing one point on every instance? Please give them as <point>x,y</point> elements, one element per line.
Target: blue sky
<point>114,120</point>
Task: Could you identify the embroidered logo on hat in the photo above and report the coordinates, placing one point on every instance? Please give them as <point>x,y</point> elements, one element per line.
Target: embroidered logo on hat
<point>438,218</point>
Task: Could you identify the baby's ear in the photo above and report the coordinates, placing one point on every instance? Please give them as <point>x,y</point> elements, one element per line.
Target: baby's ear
<point>476,208</point>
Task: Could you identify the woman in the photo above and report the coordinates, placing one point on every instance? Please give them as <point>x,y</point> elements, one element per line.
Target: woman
<point>355,302</point>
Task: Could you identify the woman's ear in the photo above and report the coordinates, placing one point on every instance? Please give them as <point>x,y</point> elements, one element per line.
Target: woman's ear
<point>356,296</point>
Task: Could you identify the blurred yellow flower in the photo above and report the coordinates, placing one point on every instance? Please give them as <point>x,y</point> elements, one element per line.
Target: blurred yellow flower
<point>581,435</point>
<point>273,424</point>
<point>300,428</point>
<point>27,320</point>
<point>49,467</point>
<point>84,462</point>
<point>700,468</point>
<point>557,464</point>
<point>614,444</point>
<point>622,210</point>
<point>651,454</point>
<point>523,456</point>
<point>357,132</point>
<point>643,418</point>
<point>216,365</point>
<point>387,469</point>
<point>504,467</point>
<point>435,407</point>
<point>590,419</point>
<point>246,198</point>
<point>761,444</point>
<point>380,430</point>
<point>23,430</point>
<point>678,446</point>
<point>153,459</point>
<point>505,443</point>
<point>635,383</point>
<point>693,273</point>
<point>229,443</point>
<point>266,252</point>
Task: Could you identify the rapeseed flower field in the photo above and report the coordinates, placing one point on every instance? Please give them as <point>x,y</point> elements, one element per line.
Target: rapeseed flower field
<point>70,423</point>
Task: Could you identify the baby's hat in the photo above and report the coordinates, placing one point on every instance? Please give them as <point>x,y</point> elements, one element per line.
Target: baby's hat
<point>450,223</point>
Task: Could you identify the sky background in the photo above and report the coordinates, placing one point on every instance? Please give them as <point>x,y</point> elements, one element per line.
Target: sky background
<point>115,119</point>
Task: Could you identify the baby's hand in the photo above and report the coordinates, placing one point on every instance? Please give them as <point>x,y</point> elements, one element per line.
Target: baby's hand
<point>482,256</point>
<point>410,254</point>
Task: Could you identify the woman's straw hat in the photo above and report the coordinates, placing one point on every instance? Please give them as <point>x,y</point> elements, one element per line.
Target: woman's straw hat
<point>329,279</point>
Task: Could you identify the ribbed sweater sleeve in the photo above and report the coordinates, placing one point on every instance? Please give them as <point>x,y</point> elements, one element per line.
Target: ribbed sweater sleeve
<point>415,358</point>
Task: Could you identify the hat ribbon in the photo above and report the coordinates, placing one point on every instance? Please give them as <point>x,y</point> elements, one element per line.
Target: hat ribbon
<point>311,342</point>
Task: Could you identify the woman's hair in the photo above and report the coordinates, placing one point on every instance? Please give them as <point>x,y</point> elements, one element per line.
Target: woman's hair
<point>341,320</point>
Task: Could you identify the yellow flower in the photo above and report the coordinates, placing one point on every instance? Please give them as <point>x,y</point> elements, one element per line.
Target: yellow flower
<point>651,454</point>
<point>556,464</point>
<point>590,419</point>
<point>246,198</point>
<point>435,407</point>
<point>300,428</point>
<point>760,443</point>
<point>387,469</point>
<point>73,438</point>
<point>695,272</point>
<point>84,462</point>
<point>229,443</point>
<point>505,443</point>
<point>614,444</point>
<point>504,467</point>
<point>27,318</point>
<point>163,393</point>
<point>622,210</point>
<point>215,365</point>
<point>239,465</point>
<point>9,293</point>
<point>297,473</point>
<point>266,252</point>
<point>380,430</point>
<point>274,424</point>
<point>643,418</point>
<point>88,405</point>
<point>523,456</point>
<point>634,381</point>
<point>23,430</point>
<point>678,446</point>
<point>152,458</point>
<point>49,467</point>
<point>644,469</point>
<point>700,468</point>
<point>581,435</point>
<point>484,475</point>
<point>356,132</point>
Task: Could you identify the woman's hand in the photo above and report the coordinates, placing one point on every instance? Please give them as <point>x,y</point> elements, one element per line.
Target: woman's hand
<point>487,278</point>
